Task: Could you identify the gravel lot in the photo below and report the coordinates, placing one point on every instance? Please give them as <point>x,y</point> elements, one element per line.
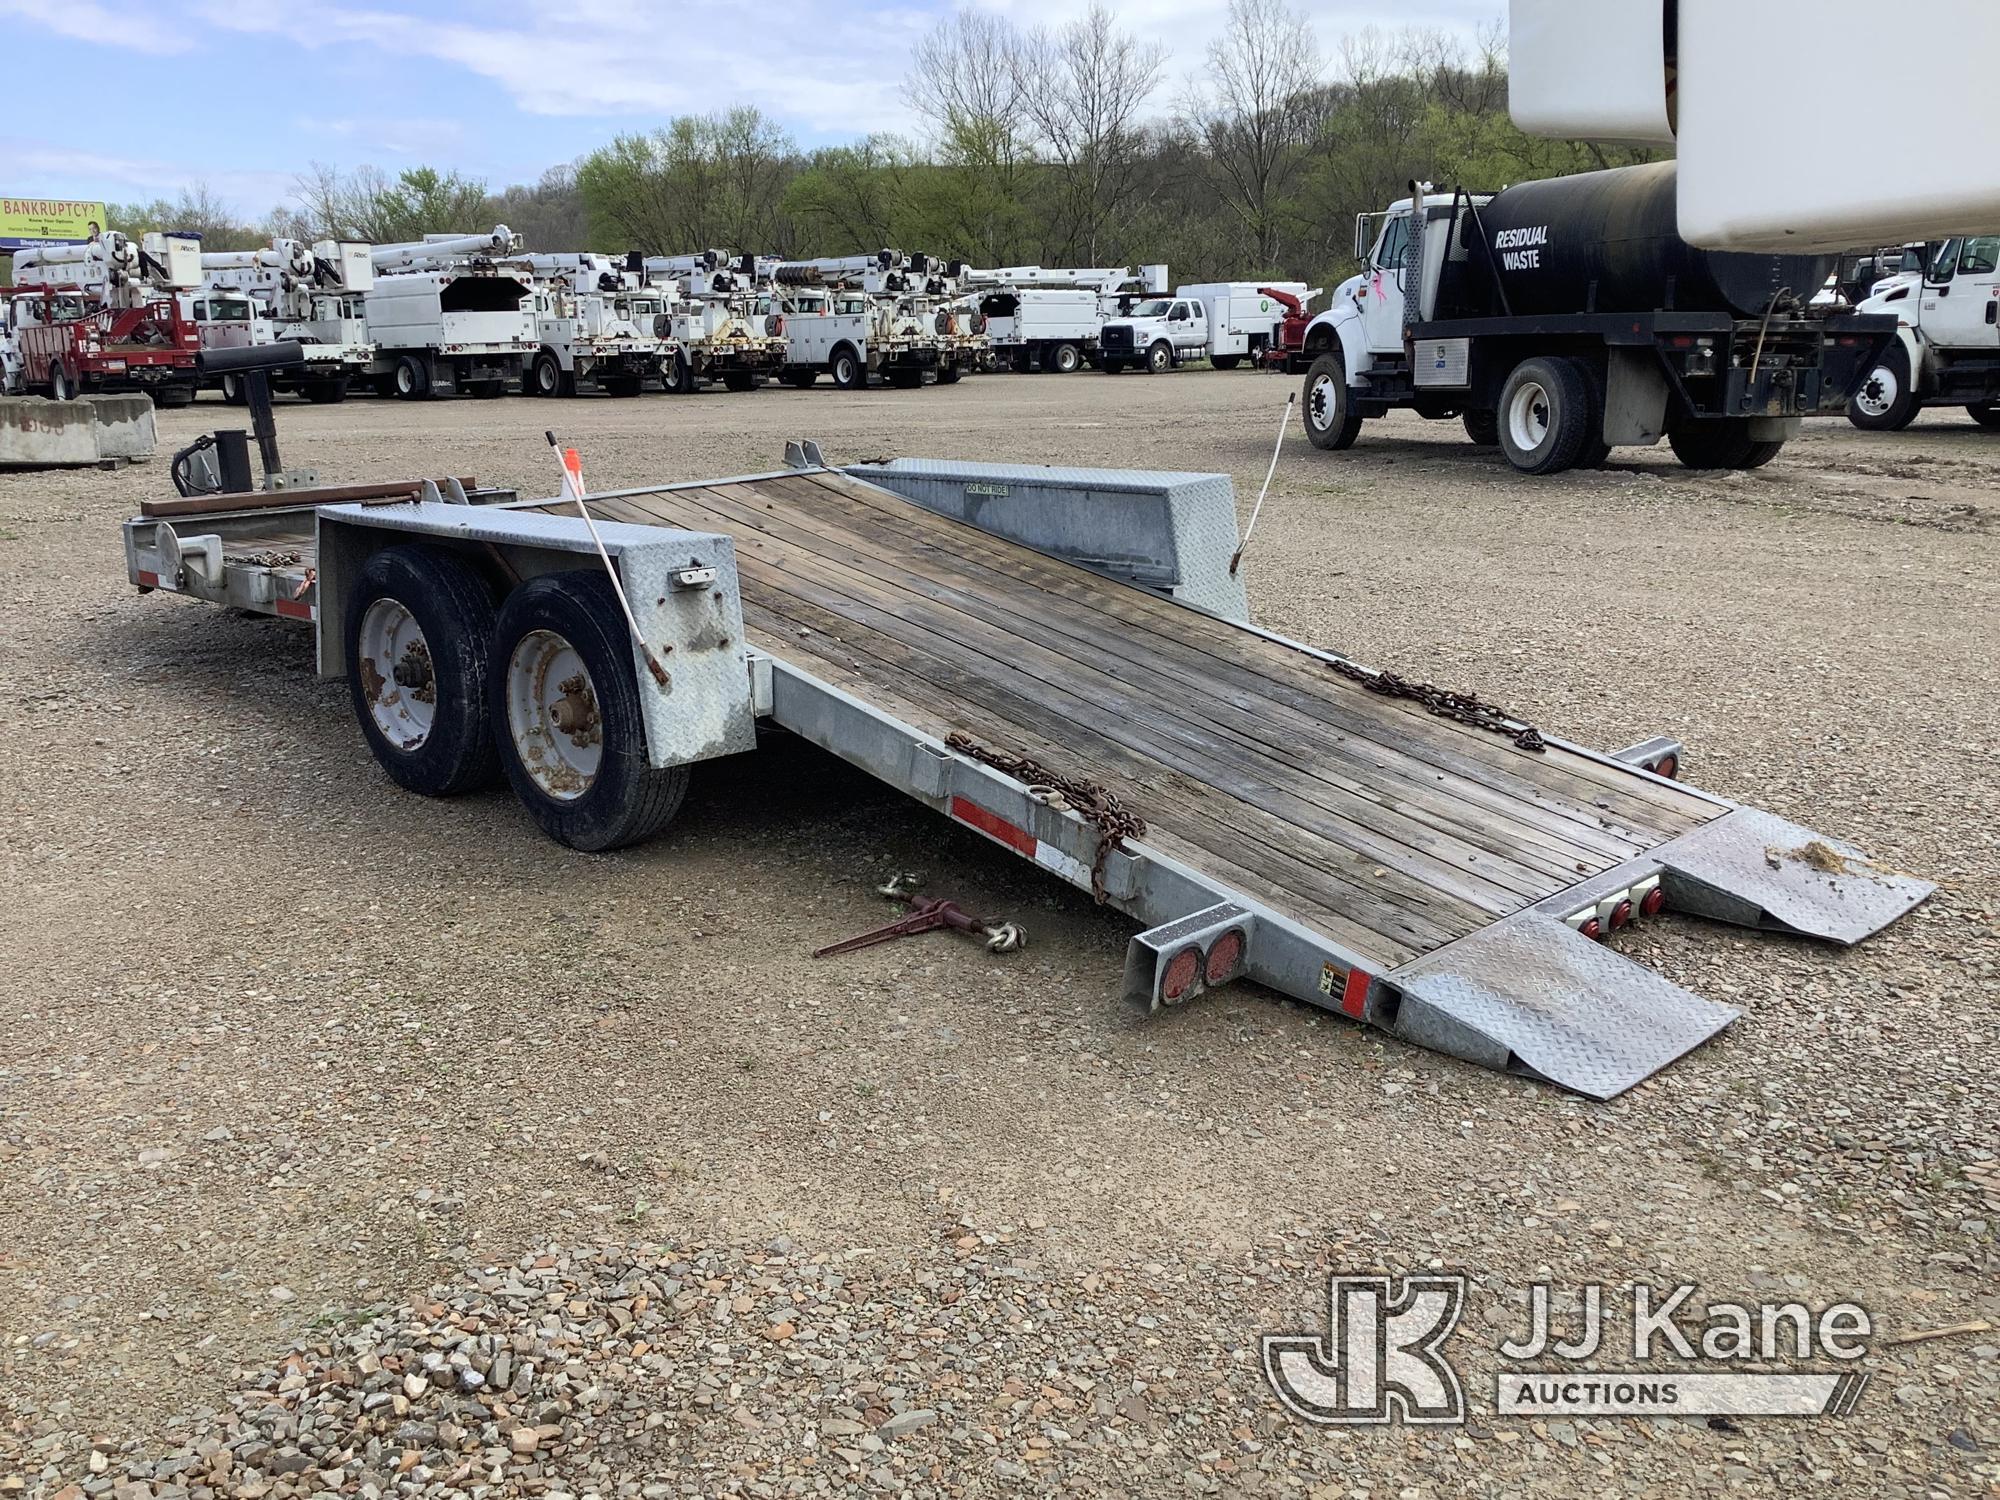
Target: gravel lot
<point>354,1142</point>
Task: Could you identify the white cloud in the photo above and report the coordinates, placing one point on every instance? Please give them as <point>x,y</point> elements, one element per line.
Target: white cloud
<point>140,28</point>
<point>138,178</point>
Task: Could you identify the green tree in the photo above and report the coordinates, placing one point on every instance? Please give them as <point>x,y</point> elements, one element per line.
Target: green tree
<point>700,182</point>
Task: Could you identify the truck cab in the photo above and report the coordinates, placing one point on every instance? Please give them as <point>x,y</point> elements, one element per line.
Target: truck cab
<point>1154,334</point>
<point>1947,346</point>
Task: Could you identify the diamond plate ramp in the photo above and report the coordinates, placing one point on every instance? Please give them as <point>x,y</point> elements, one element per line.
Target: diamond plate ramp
<point>1757,870</point>
<point>1531,995</point>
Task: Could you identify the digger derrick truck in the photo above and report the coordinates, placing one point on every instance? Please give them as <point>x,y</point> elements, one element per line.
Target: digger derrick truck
<point>886,314</point>
<point>596,327</point>
<point>310,295</point>
<point>724,325</point>
<point>1044,317</point>
<point>1563,318</point>
<point>104,316</point>
<point>447,316</point>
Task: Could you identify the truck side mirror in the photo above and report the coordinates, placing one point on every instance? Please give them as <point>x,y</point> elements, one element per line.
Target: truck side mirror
<point>1364,241</point>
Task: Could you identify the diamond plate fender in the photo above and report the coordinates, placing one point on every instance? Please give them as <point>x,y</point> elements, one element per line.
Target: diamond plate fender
<point>1528,995</point>
<point>1758,870</point>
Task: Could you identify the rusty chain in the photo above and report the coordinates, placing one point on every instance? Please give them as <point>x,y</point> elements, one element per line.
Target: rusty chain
<point>1099,806</point>
<point>1464,708</point>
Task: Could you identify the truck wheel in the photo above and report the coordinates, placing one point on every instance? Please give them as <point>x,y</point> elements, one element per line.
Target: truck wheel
<point>1887,400</point>
<point>545,376</point>
<point>419,630</point>
<point>802,380</point>
<point>62,384</point>
<point>326,392</point>
<point>949,375</point>
<point>1332,423</point>
<point>1066,359</point>
<point>1986,416</point>
<point>622,385</point>
<point>905,380</point>
<point>849,373</point>
<point>413,378</point>
<point>1225,361</point>
<point>1722,444</point>
<point>167,397</point>
<point>741,380</point>
<point>1160,358</point>
<point>1113,367</point>
<point>232,390</point>
<point>568,719</point>
<point>1545,411</point>
<point>677,375</point>
<point>1595,453</point>
<point>1483,427</point>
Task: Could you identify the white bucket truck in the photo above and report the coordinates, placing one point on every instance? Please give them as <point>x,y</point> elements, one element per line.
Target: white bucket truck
<point>1045,317</point>
<point>446,316</point>
<point>290,292</point>
<point>723,325</point>
<point>598,325</point>
<point>886,314</point>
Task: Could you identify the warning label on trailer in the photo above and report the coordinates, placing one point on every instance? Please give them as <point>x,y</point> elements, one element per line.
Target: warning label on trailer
<point>29,222</point>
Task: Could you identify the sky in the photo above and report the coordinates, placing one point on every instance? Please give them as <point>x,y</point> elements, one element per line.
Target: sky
<point>124,100</point>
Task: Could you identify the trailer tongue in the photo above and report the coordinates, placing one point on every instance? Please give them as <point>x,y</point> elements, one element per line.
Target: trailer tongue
<point>1060,661</point>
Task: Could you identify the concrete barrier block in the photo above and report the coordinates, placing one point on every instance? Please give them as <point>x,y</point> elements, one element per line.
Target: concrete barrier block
<point>36,433</point>
<point>125,427</point>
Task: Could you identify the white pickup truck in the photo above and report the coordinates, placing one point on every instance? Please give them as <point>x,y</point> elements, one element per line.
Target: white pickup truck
<point>1153,334</point>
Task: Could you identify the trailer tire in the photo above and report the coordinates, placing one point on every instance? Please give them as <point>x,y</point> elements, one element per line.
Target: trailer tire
<point>1483,427</point>
<point>545,376</point>
<point>1723,444</point>
<point>1066,359</point>
<point>422,610</point>
<point>62,384</point>
<point>1887,400</point>
<point>1225,361</point>
<point>590,787</point>
<point>1545,411</point>
<point>1160,358</point>
<point>1986,416</point>
<point>1332,423</point>
<point>412,378</point>
<point>849,374</point>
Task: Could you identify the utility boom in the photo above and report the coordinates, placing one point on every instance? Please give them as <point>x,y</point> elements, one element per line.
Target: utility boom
<point>309,295</point>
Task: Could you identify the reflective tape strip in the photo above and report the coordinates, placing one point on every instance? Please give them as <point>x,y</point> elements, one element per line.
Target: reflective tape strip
<point>295,609</point>
<point>148,580</point>
<point>994,826</point>
<point>1354,997</point>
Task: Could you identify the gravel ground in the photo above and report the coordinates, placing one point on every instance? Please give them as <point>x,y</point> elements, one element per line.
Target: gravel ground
<point>352,1142</point>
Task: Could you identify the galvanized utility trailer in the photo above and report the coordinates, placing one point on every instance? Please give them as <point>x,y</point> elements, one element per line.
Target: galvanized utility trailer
<point>1061,661</point>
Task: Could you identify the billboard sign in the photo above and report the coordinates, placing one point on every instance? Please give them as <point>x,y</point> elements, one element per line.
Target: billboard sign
<point>28,222</point>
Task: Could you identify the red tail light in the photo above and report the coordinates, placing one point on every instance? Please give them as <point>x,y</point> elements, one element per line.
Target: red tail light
<point>1668,766</point>
<point>1654,903</point>
<point>1183,969</point>
<point>1592,928</point>
<point>1620,915</point>
<point>1224,957</point>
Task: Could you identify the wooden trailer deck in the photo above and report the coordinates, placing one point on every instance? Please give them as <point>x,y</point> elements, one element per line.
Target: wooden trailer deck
<point>1390,830</point>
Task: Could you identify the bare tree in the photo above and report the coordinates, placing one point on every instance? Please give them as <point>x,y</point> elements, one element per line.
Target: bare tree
<point>1252,125</point>
<point>1082,88</point>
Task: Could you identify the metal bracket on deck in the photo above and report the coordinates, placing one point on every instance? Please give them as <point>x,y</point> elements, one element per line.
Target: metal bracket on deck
<point>1663,755</point>
<point>1174,962</point>
<point>181,555</point>
<point>1755,869</point>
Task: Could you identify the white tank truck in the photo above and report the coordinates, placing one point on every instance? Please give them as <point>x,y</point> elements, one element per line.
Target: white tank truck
<point>886,314</point>
<point>724,325</point>
<point>446,315</point>
<point>291,292</point>
<point>598,325</point>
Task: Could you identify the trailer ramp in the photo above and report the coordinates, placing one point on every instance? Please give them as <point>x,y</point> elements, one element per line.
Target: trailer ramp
<point>1345,848</point>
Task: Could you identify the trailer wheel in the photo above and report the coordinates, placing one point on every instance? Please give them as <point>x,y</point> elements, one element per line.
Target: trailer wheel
<point>1545,416</point>
<point>1986,416</point>
<point>849,374</point>
<point>413,378</point>
<point>1067,358</point>
<point>1225,361</point>
<point>1887,400</point>
<point>545,376</point>
<point>62,384</point>
<point>1160,358</point>
<point>1724,444</point>
<point>1332,423</point>
<point>568,720</point>
<point>419,633</point>
<point>1483,427</point>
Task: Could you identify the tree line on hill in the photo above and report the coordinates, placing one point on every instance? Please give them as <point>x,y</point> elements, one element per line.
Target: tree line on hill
<point>1068,146</point>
